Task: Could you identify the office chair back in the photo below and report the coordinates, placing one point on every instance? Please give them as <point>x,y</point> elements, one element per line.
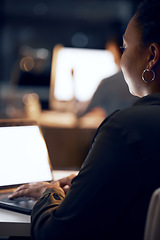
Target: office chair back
<point>152,228</point>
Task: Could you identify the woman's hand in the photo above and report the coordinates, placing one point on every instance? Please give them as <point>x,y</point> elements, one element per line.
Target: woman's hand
<point>33,190</point>
<point>65,183</point>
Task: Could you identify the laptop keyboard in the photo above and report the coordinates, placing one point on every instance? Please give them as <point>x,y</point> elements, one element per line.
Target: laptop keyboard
<point>4,196</point>
<point>20,204</point>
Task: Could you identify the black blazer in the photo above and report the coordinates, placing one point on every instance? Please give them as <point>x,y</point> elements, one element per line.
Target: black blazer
<point>109,198</point>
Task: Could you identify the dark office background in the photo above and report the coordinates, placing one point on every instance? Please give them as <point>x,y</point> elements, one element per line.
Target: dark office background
<point>73,23</point>
<point>31,28</point>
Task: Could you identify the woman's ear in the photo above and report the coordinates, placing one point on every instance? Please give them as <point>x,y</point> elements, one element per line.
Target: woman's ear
<point>154,58</point>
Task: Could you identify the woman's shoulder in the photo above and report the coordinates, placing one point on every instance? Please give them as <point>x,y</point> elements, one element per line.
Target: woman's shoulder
<point>145,110</point>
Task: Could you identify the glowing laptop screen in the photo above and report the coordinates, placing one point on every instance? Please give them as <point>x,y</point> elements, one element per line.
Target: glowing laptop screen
<point>23,156</point>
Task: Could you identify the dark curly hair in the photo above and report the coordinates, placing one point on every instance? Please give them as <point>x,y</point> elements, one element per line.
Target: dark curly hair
<point>148,18</point>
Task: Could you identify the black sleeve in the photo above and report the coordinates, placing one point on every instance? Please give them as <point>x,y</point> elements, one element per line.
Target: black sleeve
<point>91,205</point>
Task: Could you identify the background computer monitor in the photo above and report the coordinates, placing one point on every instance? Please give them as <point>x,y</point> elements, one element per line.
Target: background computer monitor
<point>76,73</point>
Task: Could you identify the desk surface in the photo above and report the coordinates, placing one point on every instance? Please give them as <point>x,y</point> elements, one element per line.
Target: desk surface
<point>17,224</point>
<point>14,224</point>
<point>69,120</point>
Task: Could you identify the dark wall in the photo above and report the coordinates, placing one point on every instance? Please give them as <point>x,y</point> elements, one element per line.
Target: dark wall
<point>43,24</point>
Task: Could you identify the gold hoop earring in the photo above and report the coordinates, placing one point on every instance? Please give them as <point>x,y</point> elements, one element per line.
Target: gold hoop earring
<point>143,77</point>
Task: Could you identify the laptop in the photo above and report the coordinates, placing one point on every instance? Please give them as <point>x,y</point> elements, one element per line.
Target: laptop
<point>24,159</point>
